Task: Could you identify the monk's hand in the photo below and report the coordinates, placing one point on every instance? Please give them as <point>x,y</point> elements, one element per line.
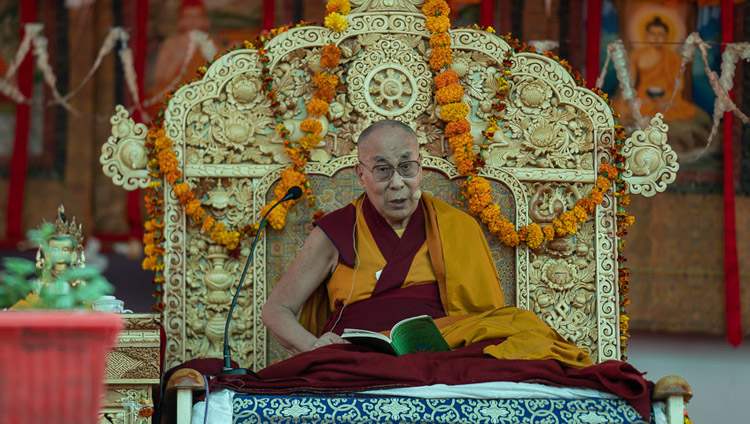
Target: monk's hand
<point>327,339</point>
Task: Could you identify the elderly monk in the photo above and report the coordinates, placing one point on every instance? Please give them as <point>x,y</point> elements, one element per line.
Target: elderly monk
<point>394,253</point>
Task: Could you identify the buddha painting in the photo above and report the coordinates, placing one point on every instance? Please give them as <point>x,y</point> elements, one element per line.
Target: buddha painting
<point>656,33</point>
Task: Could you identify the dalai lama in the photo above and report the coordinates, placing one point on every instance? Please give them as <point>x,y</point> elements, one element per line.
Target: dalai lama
<point>396,252</point>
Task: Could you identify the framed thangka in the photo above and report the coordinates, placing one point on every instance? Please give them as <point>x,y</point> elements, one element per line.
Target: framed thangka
<point>186,34</point>
<point>675,250</point>
<point>653,34</point>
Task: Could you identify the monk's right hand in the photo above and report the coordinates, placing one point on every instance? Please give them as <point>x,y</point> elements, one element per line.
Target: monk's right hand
<point>327,339</point>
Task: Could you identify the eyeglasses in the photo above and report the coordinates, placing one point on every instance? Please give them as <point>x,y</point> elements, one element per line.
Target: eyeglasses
<point>383,173</point>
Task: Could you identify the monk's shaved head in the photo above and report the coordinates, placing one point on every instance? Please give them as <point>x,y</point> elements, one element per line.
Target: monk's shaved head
<point>390,146</point>
<point>386,128</point>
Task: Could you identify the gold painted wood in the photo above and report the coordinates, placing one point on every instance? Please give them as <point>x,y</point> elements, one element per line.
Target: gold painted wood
<point>553,137</point>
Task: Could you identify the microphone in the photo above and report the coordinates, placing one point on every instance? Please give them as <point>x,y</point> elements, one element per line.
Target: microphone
<point>293,193</point>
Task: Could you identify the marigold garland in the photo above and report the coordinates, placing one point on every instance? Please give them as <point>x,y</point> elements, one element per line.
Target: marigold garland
<point>163,164</point>
<point>476,191</point>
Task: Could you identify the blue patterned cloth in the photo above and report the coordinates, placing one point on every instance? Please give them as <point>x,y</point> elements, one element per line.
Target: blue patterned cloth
<point>347,409</point>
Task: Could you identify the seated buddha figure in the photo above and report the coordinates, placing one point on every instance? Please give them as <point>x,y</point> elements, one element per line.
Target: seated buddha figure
<point>61,250</point>
<point>58,252</point>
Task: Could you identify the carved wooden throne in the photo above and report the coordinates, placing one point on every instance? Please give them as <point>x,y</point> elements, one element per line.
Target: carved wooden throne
<point>552,138</point>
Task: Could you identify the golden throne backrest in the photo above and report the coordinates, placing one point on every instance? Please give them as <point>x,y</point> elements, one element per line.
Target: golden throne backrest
<point>335,186</point>
<point>225,141</point>
<point>553,136</point>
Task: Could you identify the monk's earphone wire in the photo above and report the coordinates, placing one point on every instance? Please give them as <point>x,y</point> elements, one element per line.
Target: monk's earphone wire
<point>356,263</point>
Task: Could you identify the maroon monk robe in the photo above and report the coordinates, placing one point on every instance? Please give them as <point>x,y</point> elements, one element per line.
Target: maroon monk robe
<point>389,303</point>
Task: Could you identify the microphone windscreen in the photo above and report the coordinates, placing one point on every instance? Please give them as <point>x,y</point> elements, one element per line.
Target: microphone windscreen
<point>294,192</point>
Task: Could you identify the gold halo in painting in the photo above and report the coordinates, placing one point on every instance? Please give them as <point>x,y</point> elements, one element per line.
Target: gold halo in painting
<point>670,16</point>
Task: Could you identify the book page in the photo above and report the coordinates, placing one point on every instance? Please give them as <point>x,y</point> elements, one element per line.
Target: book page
<point>371,339</point>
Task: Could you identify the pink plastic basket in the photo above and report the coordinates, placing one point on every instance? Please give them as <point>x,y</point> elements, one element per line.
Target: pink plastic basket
<point>52,365</point>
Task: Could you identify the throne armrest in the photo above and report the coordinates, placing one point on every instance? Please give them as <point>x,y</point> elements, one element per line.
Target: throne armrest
<point>179,393</point>
<point>676,392</point>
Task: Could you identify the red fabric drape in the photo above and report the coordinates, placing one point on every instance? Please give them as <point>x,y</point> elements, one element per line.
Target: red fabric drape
<point>19,159</point>
<point>133,206</point>
<point>487,13</point>
<point>269,12</point>
<point>731,268</point>
<point>593,40</point>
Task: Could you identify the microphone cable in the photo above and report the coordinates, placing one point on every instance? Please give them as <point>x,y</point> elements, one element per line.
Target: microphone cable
<point>356,262</point>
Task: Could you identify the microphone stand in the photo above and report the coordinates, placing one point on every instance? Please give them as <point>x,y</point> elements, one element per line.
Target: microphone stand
<point>291,194</point>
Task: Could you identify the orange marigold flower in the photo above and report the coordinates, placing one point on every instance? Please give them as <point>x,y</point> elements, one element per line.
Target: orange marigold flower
<point>233,240</point>
<point>192,207</point>
<point>172,176</point>
<point>208,224</point>
<point>330,56</point>
<point>479,193</point>
<point>289,178</point>
<point>325,93</point>
<point>461,141</point>
<point>559,227</point>
<point>465,167</point>
<point>309,141</point>
<point>454,111</point>
<point>149,249</point>
<point>436,8</point>
<point>277,217</point>
<point>438,23</point>
<point>217,230</point>
<point>441,39</point>
<point>534,235</point>
<point>317,108</point>
<point>167,161</point>
<point>199,215</point>
<point>335,22</point>
<point>181,188</point>
<point>580,213</point>
<point>587,204</point>
<point>608,170</point>
<point>569,222</point>
<point>549,233</point>
<point>446,78</point>
<point>311,126</point>
<point>149,238</point>
<point>504,231</point>
<point>341,6</point>
<point>628,221</point>
<point>153,225</point>
<point>489,213</point>
<point>602,183</point>
<point>457,127</point>
<point>149,263</point>
<point>625,199</point>
<point>441,58</point>
<point>324,79</point>
<point>596,196</point>
<point>162,143</point>
<point>449,94</point>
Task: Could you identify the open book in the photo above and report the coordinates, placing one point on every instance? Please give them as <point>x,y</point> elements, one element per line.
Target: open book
<point>411,335</point>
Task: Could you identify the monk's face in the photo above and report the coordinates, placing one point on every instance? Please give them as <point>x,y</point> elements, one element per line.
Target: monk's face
<point>396,198</point>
